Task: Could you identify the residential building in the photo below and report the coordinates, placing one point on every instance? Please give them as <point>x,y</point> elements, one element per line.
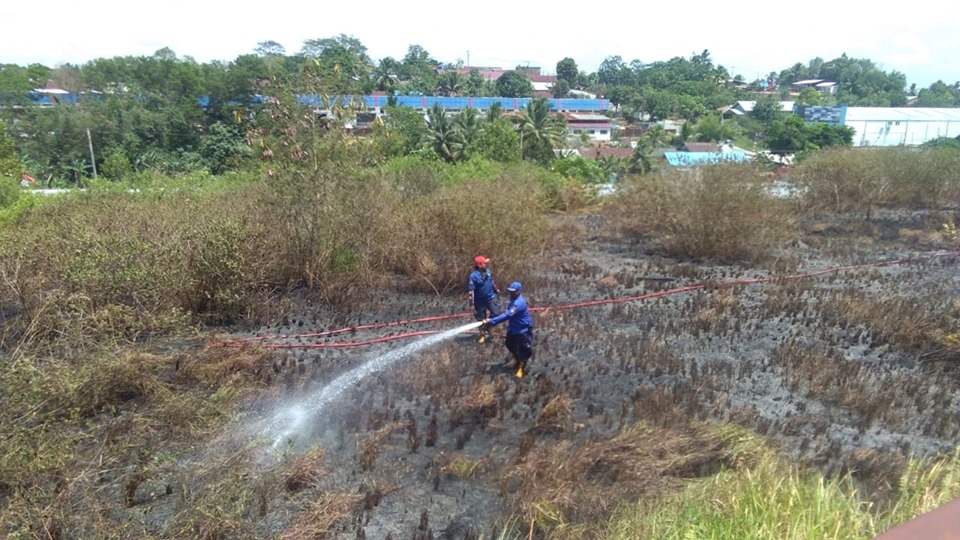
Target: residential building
<point>595,126</point>
<point>824,86</point>
<point>746,107</point>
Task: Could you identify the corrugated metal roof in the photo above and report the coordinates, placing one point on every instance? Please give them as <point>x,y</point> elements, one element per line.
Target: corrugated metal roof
<point>747,106</point>
<point>679,159</point>
<point>900,114</point>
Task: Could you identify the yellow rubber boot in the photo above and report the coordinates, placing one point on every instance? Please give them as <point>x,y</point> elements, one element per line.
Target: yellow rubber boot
<point>520,373</point>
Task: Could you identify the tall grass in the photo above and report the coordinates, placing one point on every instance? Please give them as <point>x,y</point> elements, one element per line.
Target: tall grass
<point>719,212</point>
<point>863,179</point>
<point>778,501</point>
<point>110,264</point>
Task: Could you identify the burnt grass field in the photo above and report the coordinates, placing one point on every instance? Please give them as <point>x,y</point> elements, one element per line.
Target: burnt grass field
<point>847,372</point>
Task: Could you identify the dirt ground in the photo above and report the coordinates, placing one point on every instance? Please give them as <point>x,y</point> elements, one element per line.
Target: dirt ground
<point>434,445</point>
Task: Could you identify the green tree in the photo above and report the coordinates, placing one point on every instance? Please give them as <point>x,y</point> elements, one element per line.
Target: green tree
<point>568,71</point>
<point>788,136</point>
<point>494,112</point>
<point>401,132</point>
<point>10,167</point>
<point>641,162</point>
<point>222,147</point>
<point>514,84</point>
<point>767,110</point>
<point>939,95</point>
<point>443,136</point>
<point>711,128</point>
<point>270,48</point>
<point>560,89</point>
<point>498,141</point>
<point>809,96</point>
<point>449,83</point>
<point>540,131</point>
<point>469,123</point>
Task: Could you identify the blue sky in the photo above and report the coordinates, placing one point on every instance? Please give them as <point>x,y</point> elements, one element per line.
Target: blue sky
<point>749,40</point>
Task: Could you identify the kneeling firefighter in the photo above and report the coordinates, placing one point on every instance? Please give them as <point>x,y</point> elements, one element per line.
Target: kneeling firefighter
<point>519,328</point>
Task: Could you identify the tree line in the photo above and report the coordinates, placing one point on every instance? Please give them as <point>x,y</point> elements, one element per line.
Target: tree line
<point>147,114</point>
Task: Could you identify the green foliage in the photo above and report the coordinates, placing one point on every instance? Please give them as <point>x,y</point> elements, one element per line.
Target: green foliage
<point>568,71</point>
<point>712,128</point>
<point>942,142</point>
<point>767,110</point>
<point>861,82</point>
<point>222,147</point>
<point>939,95</point>
<point>774,500</point>
<point>540,131</point>
<point>793,135</point>
<point>514,84</point>
<point>497,141</point>
<point>586,171</point>
<point>443,136</point>
<point>116,165</point>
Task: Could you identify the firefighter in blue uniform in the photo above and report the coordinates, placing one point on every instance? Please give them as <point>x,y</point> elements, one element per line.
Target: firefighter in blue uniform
<point>482,294</point>
<point>519,328</point>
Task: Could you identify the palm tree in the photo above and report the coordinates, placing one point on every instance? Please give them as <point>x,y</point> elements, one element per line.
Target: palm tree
<point>469,123</point>
<point>540,131</point>
<point>443,135</point>
<point>448,84</point>
<point>386,74</point>
<point>493,113</point>
<point>641,161</point>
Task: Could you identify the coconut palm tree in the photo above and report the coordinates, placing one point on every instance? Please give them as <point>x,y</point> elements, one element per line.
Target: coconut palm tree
<point>443,135</point>
<point>493,113</point>
<point>540,131</point>
<point>469,123</point>
<point>449,83</point>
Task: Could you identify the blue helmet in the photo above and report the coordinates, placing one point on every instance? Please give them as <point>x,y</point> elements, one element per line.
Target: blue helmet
<point>515,287</point>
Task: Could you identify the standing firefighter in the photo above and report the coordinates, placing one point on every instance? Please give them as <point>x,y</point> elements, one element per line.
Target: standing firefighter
<point>519,330</point>
<point>482,294</point>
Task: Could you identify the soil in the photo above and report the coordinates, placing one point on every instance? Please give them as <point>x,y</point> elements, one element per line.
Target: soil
<point>805,363</point>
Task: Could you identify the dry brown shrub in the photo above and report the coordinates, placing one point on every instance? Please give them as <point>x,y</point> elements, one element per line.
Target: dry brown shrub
<point>305,472</point>
<point>565,234</point>
<point>557,414</point>
<point>370,446</point>
<point>435,236</point>
<point>721,212</point>
<point>458,466</point>
<point>215,365</point>
<point>323,517</point>
<point>114,380</point>
<point>921,326</point>
<point>862,179</point>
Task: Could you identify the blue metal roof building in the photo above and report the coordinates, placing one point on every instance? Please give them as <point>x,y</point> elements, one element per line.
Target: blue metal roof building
<point>692,159</point>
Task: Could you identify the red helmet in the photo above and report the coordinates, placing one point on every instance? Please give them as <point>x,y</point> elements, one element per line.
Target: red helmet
<point>480,259</point>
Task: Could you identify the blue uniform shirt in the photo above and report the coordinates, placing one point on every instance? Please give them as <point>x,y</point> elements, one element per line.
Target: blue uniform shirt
<point>519,315</point>
<point>481,285</point>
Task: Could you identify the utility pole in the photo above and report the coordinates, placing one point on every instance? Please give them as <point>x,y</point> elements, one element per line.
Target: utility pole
<point>93,160</point>
<point>468,59</point>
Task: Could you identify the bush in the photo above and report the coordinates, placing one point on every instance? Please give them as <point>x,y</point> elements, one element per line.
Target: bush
<point>859,180</point>
<point>720,212</point>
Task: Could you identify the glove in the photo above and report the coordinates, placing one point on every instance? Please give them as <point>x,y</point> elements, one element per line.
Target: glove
<point>485,323</point>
